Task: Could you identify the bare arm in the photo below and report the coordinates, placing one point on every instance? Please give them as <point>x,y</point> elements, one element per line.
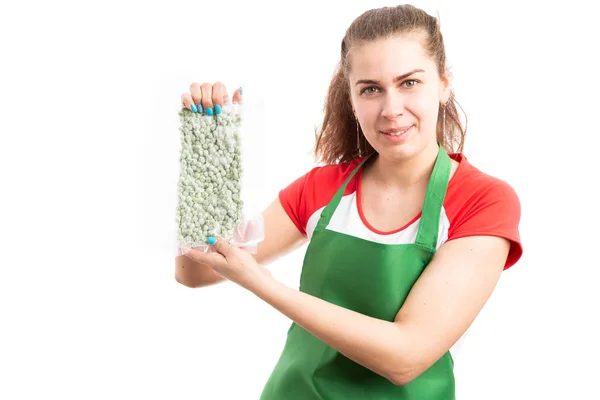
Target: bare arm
<point>440,307</point>
<point>281,237</point>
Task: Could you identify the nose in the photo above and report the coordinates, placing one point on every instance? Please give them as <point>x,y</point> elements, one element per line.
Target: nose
<point>393,105</point>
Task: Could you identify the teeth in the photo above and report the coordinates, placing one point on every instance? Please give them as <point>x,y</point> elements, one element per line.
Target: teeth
<point>398,133</point>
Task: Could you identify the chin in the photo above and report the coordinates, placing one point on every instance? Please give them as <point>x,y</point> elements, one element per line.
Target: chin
<point>398,150</point>
<point>400,154</point>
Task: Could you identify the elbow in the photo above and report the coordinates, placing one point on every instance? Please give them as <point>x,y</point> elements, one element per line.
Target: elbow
<point>191,282</point>
<point>403,378</point>
<point>186,281</point>
<point>188,274</point>
<point>404,371</point>
<point>182,281</point>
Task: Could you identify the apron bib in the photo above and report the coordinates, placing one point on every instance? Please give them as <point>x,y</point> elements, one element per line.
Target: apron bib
<point>370,278</point>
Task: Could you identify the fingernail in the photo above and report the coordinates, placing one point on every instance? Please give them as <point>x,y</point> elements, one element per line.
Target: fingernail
<point>200,108</point>
<point>212,240</point>
<point>209,111</point>
<point>241,91</point>
<point>194,109</point>
<point>218,109</point>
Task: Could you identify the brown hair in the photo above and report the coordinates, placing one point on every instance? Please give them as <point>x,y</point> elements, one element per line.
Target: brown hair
<point>337,140</point>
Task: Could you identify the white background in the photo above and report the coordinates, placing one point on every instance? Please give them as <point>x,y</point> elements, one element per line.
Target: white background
<point>89,307</point>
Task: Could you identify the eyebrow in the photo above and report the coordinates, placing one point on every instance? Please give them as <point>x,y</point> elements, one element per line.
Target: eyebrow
<point>396,79</point>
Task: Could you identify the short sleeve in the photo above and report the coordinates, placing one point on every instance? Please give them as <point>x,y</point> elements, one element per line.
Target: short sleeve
<point>291,200</point>
<point>492,211</point>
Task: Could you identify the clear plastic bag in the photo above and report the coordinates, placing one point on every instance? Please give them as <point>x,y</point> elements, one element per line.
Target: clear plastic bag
<point>210,187</point>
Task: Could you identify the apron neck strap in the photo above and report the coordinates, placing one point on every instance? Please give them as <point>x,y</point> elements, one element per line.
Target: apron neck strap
<point>429,223</point>
<point>331,207</point>
<point>432,206</point>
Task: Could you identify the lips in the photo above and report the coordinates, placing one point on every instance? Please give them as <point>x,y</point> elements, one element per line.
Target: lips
<point>398,130</point>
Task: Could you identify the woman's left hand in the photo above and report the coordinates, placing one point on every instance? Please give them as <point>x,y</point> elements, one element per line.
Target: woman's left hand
<point>232,263</point>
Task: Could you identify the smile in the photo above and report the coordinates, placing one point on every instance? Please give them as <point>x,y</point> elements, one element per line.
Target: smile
<point>397,134</point>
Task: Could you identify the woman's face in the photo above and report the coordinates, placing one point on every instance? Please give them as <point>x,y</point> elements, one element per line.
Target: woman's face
<point>396,91</point>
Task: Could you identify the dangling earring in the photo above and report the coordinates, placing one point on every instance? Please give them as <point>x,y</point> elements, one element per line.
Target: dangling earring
<point>444,120</point>
<point>357,137</point>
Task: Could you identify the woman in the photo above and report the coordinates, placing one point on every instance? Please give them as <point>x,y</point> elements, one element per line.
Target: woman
<point>407,239</point>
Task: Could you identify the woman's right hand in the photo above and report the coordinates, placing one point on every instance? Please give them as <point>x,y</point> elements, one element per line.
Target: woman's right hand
<point>208,98</point>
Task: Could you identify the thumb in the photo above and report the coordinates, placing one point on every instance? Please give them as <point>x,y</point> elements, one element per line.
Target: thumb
<point>220,245</point>
<point>237,96</point>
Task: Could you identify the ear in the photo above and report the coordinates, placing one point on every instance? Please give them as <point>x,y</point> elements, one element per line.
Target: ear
<point>351,103</point>
<point>444,90</point>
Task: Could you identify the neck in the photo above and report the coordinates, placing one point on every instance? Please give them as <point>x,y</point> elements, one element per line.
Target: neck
<point>407,173</point>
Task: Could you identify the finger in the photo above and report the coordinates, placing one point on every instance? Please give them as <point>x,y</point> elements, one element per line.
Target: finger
<point>187,101</point>
<point>211,259</point>
<point>221,246</point>
<point>237,96</point>
<point>219,96</point>
<point>207,102</point>
<point>196,96</point>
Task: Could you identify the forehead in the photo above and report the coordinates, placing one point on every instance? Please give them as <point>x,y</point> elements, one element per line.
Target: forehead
<point>387,58</point>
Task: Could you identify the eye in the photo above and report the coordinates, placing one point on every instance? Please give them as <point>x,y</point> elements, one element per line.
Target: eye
<point>414,81</point>
<point>367,89</point>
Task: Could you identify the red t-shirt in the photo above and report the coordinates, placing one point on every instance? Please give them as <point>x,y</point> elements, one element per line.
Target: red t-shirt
<point>476,204</point>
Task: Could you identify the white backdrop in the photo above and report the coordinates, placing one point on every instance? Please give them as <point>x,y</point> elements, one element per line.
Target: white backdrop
<point>89,307</point>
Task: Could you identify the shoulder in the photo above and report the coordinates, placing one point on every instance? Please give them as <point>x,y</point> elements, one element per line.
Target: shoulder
<point>470,185</point>
<point>478,203</point>
<point>334,172</point>
<point>326,179</point>
<point>313,190</point>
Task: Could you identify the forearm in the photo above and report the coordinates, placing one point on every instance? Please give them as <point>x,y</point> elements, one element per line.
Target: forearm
<point>378,345</point>
<point>193,274</point>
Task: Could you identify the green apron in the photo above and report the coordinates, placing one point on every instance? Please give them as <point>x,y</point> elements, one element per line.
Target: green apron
<point>370,278</point>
